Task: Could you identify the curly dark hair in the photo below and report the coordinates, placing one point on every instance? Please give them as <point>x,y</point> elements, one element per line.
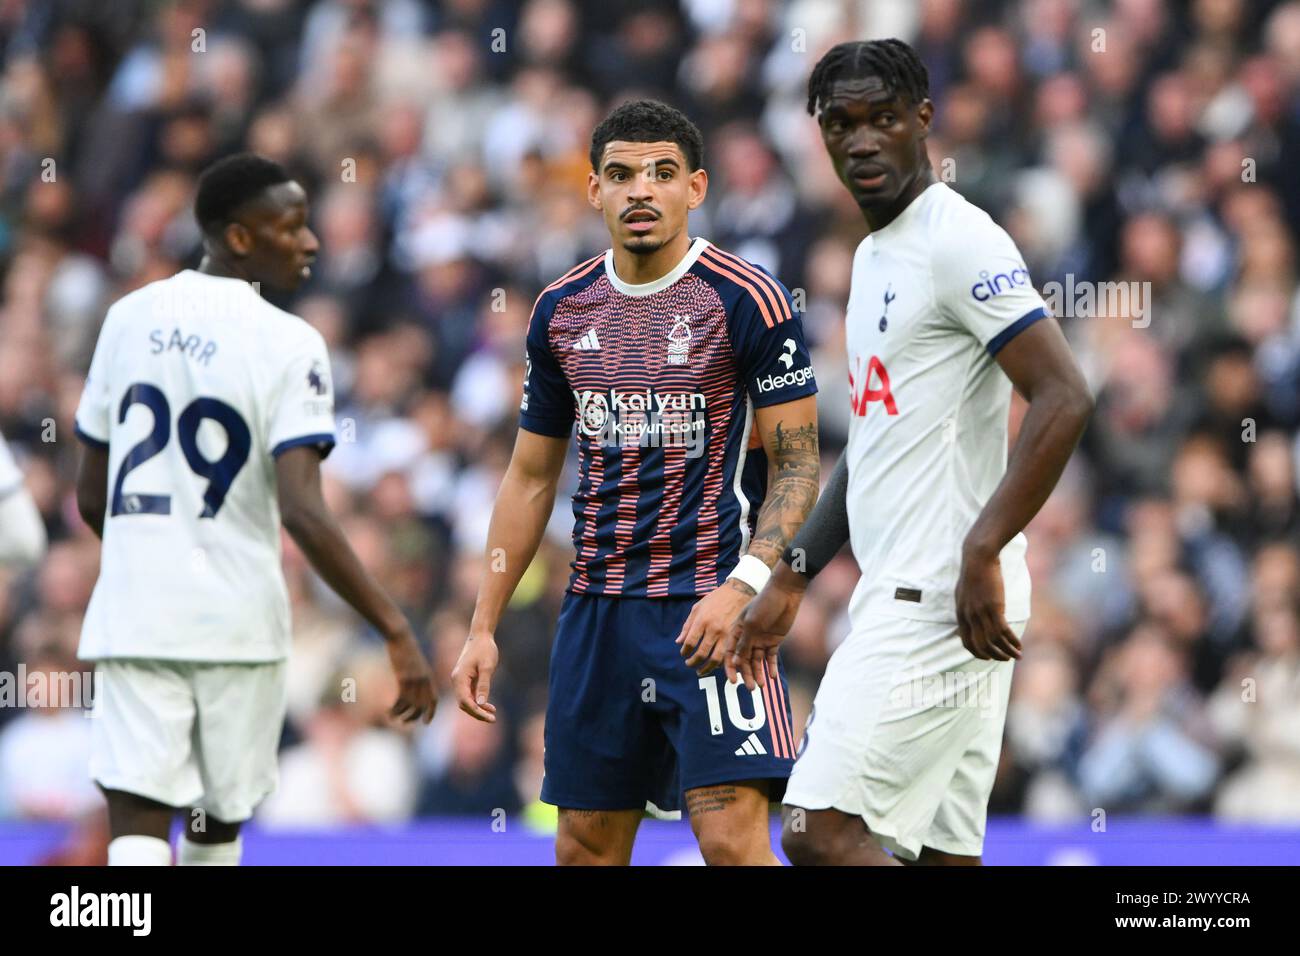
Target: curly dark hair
<point>893,61</point>
<point>648,121</point>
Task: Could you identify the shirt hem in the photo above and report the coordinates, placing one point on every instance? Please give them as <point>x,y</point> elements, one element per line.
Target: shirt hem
<point>156,656</point>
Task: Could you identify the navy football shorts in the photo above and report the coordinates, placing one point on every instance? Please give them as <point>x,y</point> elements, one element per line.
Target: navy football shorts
<point>628,724</point>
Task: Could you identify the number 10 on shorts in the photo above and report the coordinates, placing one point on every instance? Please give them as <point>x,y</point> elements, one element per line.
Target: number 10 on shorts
<point>732,692</point>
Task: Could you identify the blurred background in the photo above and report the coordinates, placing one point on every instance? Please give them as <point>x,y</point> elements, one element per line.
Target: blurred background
<point>444,146</point>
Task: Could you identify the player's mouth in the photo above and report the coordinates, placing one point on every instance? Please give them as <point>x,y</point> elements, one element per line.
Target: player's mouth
<point>640,221</point>
<point>868,177</point>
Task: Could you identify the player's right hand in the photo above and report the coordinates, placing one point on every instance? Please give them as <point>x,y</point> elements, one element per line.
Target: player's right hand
<point>763,626</point>
<point>471,679</point>
<point>417,696</point>
<point>981,609</point>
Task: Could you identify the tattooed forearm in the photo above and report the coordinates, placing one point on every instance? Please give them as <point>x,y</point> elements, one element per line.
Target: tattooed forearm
<point>793,479</point>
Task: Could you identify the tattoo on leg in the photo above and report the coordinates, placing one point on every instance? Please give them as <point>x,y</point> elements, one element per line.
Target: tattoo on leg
<point>599,817</point>
<point>709,799</point>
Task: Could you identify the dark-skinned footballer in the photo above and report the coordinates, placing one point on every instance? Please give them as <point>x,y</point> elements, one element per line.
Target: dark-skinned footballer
<point>205,416</point>
<point>903,741</point>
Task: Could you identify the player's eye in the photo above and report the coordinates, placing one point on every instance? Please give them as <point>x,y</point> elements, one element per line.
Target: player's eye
<point>885,119</point>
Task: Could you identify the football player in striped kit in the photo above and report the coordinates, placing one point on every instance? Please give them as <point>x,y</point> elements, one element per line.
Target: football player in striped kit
<point>685,370</point>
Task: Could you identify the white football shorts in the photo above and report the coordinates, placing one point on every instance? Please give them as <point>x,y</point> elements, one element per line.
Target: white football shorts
<point>905,732</point>
<point>189,734</point>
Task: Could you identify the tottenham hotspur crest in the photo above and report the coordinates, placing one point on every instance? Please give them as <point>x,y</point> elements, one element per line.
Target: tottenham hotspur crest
<point>889,297</point>
<point>679,340</point>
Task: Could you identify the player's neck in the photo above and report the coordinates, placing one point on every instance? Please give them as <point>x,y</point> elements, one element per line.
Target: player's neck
<point>213,266</point>
<point>878,219</point>
<point>640,268</point>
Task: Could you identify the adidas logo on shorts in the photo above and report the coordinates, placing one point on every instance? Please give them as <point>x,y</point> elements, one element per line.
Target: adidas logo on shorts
<point>752,747</point>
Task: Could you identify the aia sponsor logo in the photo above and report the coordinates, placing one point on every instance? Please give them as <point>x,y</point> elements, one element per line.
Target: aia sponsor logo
<point>870,384</point>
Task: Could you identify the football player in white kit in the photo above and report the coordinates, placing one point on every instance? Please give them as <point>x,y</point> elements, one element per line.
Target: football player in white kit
<point>205,416</point>
<point>901,748</point>
<point>22,533</point>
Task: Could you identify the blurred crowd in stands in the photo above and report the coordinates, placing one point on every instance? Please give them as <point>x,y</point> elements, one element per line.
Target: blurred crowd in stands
<point>1149,145</point>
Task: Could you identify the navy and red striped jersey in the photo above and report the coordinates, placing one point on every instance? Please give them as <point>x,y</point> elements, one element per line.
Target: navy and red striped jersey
<point>662,380</point>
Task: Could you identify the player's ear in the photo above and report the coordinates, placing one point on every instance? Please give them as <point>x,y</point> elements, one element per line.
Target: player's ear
<point>925,116</point>
<point>697,188</point>
<point>593,190</point>
<point>238,239</point>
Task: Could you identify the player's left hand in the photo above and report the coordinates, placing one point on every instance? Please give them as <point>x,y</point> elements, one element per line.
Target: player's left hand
<point>713,619</point>
<point>763,626</point>
<point>981,620</point>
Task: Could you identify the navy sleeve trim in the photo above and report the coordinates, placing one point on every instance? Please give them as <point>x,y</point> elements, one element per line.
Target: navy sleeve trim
<point>998,341</point>
<point>550,427</point>
<point>90,440</point>
<point>786,396</point>
<point>324,440</point>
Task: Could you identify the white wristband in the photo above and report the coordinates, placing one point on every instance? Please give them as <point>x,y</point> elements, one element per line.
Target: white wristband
<point>751,571</point>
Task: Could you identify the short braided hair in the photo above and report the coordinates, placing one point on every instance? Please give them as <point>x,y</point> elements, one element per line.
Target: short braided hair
<point>893,61</point>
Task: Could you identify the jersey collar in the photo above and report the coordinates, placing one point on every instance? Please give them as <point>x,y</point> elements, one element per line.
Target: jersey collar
<point>896,225</point>
<point>664,281</point>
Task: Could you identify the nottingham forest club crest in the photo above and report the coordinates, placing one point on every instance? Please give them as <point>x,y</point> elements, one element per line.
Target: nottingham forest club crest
<point>679,340</point>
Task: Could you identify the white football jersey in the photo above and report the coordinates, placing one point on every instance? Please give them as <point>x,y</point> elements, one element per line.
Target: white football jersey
<point>10,477</point>
<point>197,383</point>
<point>935,295</point>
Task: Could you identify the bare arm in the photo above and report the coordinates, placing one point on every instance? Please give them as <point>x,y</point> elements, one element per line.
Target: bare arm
<point>519,517</point>
<point>92,487</point>
<point>789,434</point>
<point>1040,365</point>
<point>1042,368</point>
<point>306,517</point>
<point>523,506</point>
<point>768,618</point>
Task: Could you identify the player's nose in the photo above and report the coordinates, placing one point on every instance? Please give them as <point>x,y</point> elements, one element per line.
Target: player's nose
<point>862,144</point>
<point>310,244</point>
<point>640,189</point>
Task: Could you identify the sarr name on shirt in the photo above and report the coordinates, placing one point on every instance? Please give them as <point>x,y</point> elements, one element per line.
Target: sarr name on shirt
<point>188,345</point>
